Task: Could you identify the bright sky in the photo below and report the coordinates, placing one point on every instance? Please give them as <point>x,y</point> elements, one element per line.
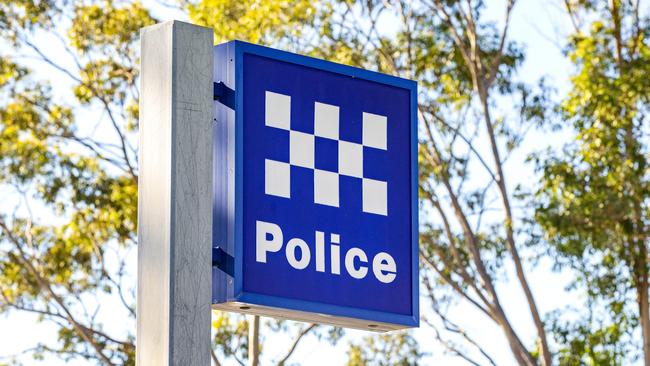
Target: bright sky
<point>541,26</point>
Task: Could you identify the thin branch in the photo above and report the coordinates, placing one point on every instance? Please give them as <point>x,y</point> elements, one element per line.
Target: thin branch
<point>454,328</point>
<point>456,286</point>
<point>458,133</point>
<point>213,355</point>
<point>572,16</point>
<point>437,6</point>
<point>45,59</point>
<point>449,326</point>
<point>497,61</point>
<point>102,99</point>
<point>295,343</point>
<point>450,346</point>
<point>462,270</point>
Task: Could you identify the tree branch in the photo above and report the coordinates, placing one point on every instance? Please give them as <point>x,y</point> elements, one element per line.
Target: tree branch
<point>497,61</point>
<point>295,343</point>
<point>213,355</point>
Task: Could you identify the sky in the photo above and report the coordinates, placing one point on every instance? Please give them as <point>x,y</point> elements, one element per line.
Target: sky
<point>541,26</point>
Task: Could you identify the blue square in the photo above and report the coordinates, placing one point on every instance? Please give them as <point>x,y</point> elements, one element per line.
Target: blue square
<point>305,108</point>
<point>302,184</point>
<point>279,139</point>
<point>373,161</point>
<point>351,193</point>
<point>326,154</point>
<point>351,130</point>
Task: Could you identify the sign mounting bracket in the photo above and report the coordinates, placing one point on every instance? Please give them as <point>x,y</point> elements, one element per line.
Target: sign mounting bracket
<point>224,95</point>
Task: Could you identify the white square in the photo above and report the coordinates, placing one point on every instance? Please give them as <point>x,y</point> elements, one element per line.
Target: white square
<point>301,149</point>
<point>277,178</point>
<point>375,196</point>
<point>326,188</point>
<point>326,120</point>
<point>277,112</point>
<point>351,159</point>
<point>374,130</point>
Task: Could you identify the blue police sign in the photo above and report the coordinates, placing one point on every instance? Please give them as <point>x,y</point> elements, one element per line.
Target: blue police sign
<point>315,181</point>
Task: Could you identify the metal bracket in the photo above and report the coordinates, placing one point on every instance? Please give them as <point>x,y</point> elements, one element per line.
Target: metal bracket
<point>223,261</point>
<point>224,95</point>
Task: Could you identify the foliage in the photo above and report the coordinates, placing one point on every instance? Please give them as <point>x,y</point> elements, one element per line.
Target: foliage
<point>256,21</point>
<point>593,339</point>
<point>231,335</point>
<point>594,201</point>
<point>61,263</point>
<point>399,349</point>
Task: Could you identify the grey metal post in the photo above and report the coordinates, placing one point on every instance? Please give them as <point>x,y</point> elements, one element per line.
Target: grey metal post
<point>175,196</point>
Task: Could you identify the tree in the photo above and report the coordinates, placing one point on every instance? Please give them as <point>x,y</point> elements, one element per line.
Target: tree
<point>593,203</point>
<point>62,265</point>
<point>68,157</point>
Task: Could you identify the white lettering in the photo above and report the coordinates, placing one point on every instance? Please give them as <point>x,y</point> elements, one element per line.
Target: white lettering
<point>320,251</point>
<point>349,263</point>
<point>384,268</point>
<point>269,239</point>
<point>305,256</point>
<point>335,255</point>
<point>262,244</point>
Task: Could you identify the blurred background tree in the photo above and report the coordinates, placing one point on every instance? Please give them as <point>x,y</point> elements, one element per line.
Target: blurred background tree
<point>594,199</point>
<point>67,247</point>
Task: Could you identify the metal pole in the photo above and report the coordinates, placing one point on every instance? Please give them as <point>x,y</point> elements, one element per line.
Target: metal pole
<point>253,340</point>
<point>175,196</point>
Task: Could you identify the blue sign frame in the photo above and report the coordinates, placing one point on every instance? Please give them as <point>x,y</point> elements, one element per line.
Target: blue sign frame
<point>235,55</point>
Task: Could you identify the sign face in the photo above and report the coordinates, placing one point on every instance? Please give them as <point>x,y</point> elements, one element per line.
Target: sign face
<point>325,183</point>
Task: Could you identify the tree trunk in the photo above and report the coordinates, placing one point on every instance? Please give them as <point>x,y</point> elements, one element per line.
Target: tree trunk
<point>253,340</point>
<point>642,299</point>
<point>545,352</point>
<point>645,320</point>
<point>519,351</point>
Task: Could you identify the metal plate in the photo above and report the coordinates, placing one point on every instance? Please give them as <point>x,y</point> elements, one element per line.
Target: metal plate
<point>316,190</point>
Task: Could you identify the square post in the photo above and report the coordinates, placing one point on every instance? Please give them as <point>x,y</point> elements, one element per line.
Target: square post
<point>175,196</point>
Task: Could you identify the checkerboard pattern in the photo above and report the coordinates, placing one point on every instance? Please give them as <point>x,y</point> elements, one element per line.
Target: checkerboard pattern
<point>302,153</point>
